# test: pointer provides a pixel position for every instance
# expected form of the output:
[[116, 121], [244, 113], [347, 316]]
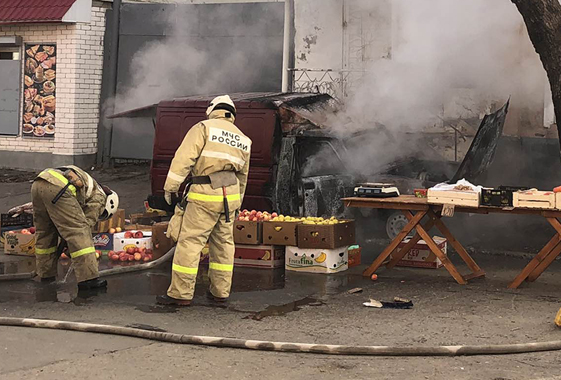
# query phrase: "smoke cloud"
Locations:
[[448, 60], [206, 49]]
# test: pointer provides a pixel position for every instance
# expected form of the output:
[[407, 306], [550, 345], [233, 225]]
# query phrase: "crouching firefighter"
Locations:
[[216, 154], [68, 202]]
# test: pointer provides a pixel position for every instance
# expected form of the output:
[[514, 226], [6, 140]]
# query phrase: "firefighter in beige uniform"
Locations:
[[68, 202], [216, 153]]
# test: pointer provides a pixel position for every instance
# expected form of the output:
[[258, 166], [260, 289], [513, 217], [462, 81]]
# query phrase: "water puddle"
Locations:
[[282, 310], [157, 309]]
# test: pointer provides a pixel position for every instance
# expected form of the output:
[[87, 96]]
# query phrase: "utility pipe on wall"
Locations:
[[287, 44]]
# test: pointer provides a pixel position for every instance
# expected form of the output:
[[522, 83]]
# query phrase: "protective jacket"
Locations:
[[212, 146], [72, 217]]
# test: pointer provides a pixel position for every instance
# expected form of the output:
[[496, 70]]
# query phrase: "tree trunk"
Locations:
[[543, 21]]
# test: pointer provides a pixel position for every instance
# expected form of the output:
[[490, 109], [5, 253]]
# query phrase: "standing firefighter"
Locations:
[[216, 153], [68, 202]]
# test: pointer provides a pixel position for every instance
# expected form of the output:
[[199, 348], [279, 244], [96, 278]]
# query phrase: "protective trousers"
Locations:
[[65, 218], [199, 226]]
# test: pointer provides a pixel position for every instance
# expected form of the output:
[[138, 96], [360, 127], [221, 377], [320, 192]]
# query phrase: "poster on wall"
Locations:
[[39, 100]]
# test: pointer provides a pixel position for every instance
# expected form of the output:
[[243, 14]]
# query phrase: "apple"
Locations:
[[130, 258], [142, 250], [267, 218], [118, 229], [112, 230], [274, 215], [12, 232], [253, 212], [32, 230], [148, 252], [146, 258], [137, 256], [114, 257], [131, 250], [25, 232], [122, 254], [122, 258], [111, 253], [138, 235], [129, 235]]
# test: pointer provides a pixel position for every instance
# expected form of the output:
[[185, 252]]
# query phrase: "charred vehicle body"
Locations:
[[298, 165]]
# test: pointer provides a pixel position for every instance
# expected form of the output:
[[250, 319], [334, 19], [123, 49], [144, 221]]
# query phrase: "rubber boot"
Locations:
[[167, 300], [212, 297], [92, 284]]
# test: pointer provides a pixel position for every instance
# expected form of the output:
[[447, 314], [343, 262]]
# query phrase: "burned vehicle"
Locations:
[[301, 166]]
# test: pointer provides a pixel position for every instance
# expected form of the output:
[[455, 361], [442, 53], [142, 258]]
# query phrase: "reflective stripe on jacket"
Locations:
[[90, 197]]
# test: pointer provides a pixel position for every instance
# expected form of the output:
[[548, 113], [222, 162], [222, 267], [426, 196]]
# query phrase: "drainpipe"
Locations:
[[105, 156], [287, 44]]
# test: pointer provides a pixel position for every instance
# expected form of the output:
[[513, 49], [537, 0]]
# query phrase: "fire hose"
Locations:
[[102, 273], [326, 349]]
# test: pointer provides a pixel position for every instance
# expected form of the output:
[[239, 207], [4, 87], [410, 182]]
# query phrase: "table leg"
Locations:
[[549, 258], [533, 264], [409, 246], [445, 260], [413, 222], [457, 246]]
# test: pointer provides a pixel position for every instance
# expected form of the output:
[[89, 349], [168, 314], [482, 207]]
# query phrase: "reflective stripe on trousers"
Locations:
[[185, 270], [45, 251], [221, 267]]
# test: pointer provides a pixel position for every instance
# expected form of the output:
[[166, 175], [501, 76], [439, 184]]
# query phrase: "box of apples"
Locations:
[[248, 226], [20, 242], [131, 239], [135, 254]]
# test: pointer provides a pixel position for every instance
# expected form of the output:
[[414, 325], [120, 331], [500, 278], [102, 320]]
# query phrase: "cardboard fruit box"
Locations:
[[354, 256], [421, 256], [160, 242], [248, 232], [117, 220], [317, 260], [19, 244], [326, 236], [259, 256], [120, 243], [103, 241], [280, 233]]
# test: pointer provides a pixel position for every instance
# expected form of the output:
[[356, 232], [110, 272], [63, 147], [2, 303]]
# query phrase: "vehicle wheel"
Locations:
[[395, 224]]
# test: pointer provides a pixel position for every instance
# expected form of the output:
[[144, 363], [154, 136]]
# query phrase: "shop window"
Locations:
[[10, 90]]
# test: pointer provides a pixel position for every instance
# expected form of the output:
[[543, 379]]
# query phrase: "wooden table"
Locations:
[[415, 209]]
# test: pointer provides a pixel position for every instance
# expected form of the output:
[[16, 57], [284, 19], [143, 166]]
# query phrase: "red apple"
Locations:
[[32, 230], [123, 258], [122, 254], [114, 257], [253, 212], [131, 250], [146, 258], [148, 251], [138, 235], [129, 235], [130, 257], [137, 256], [274, 215]]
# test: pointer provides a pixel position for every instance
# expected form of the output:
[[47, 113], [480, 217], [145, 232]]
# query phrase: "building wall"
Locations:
[[78, 81]]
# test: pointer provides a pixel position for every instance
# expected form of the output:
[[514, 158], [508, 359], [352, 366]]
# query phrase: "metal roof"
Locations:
[[30, 11]]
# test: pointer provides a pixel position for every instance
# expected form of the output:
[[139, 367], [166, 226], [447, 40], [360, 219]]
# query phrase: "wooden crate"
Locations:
[[534, 199], [117, 220], [456, 198]]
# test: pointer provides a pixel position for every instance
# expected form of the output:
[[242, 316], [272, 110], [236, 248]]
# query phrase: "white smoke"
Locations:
[[449, 60]]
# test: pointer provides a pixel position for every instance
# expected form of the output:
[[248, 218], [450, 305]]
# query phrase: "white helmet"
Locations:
[[222, 102], [111, 204]]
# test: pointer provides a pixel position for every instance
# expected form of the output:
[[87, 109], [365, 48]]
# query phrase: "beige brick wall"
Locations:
[[78, 84]]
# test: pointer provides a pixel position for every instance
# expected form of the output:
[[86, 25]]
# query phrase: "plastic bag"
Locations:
[[452, 186], [174, 227]]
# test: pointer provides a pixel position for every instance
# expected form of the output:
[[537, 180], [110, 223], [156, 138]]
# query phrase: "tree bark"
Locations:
[[543, 21]]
